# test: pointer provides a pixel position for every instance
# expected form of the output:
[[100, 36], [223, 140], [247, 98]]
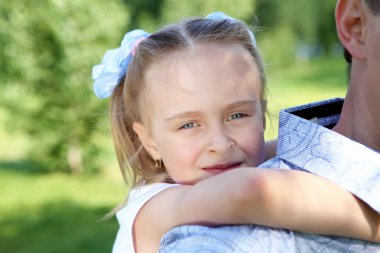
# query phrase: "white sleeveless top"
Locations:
[[127, 215]]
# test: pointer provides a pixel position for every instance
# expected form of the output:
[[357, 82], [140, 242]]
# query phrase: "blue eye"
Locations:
[[188, 125], [237, 116]]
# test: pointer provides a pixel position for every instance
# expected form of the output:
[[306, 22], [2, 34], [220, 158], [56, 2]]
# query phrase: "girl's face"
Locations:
[[206, 111]]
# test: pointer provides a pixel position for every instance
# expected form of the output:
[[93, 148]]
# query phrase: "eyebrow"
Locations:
[[182, 115], [250, 103]]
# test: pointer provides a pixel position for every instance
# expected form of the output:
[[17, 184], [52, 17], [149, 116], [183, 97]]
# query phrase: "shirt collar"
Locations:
[[313, 147]]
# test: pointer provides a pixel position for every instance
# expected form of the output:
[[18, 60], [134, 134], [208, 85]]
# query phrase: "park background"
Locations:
[[58, 172]]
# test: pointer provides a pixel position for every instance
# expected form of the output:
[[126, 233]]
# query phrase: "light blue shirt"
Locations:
[[302, 145]]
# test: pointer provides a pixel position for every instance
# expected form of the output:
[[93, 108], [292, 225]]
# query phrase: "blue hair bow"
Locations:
[[115, 64]]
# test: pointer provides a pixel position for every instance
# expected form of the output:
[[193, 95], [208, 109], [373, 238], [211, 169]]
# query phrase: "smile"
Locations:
[[222, 167]]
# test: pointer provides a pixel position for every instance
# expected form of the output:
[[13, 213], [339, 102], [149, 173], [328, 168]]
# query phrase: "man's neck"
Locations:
[[360, 117]]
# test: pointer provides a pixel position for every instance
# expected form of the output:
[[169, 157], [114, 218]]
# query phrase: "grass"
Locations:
[[56, 212], [41, 213]]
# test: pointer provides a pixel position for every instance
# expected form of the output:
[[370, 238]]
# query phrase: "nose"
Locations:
[[220, 140]]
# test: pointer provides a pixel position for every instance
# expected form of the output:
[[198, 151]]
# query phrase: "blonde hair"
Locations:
[[128, 104]]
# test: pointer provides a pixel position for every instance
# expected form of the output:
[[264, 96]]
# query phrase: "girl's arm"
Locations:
[[305, 202], [277, 198]]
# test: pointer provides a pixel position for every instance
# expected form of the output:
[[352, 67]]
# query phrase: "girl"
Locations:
[[187, 114]]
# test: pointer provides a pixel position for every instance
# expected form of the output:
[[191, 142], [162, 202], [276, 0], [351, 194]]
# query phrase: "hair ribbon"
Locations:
[[115, 63]]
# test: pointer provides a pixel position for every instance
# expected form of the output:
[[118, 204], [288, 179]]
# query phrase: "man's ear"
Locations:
[[146, 140], [351, 19]]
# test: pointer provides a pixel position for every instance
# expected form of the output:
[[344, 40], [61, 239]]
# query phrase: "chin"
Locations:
[[188, 181]]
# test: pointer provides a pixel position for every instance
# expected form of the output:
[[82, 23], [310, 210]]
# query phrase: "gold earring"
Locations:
[[158, 164]]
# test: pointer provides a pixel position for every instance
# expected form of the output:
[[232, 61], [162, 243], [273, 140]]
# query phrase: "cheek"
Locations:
[[253, 145], [180, 150], [180, 155]]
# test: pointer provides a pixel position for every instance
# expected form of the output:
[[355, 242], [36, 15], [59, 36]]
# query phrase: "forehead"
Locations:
[[197, 68]]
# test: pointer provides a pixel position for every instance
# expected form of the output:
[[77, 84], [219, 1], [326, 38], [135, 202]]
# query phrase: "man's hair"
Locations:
[[374, 6]]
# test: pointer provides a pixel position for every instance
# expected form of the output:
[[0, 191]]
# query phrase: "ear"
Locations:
[[351, 21], [146, 140]]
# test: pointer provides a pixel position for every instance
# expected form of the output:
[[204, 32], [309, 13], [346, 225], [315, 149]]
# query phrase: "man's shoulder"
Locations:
[[251, 238]]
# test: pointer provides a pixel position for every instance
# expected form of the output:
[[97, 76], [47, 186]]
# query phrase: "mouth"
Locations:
[[223, 167]]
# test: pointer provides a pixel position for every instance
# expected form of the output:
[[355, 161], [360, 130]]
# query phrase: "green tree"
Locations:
[[173, 10], [153, 14], [145, 14], [47, 50], [289, 26]]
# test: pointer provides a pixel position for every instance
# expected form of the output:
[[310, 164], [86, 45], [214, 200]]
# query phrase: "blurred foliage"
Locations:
[[48, 47], [242, 9], [296, 29]]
